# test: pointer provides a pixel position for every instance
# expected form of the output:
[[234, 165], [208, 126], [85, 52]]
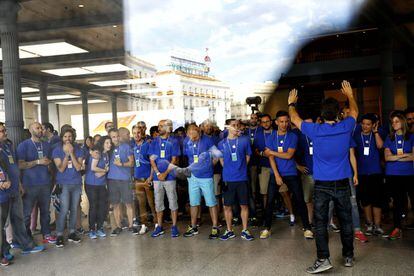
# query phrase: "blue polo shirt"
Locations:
[[29, 151], [261, 143], [330, 149], [368, 161], [203, 168], [123, 151], [234, 155], [305, 158], [9, 157], [397, 167], [90, 176], [142, 165], [286, 167], [70, 176], [170, 148]]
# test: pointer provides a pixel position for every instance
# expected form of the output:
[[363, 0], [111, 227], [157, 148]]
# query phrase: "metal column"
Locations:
[[11, 70], [44, 104], [85, 114]]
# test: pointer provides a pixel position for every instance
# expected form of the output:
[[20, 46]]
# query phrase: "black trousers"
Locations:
[[97, 196]]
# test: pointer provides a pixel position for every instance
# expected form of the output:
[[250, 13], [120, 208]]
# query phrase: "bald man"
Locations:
[[34, 158]]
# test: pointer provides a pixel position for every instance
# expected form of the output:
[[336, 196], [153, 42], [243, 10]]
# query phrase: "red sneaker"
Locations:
[[395, 234], [361, 236], [49, 239], [4, 262]]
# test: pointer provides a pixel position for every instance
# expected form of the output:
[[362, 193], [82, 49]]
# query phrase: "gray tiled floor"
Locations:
[[285, 253]]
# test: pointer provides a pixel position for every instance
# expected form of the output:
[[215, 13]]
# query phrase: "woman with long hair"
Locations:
[[399, 170], [95, 186], [68, 160]]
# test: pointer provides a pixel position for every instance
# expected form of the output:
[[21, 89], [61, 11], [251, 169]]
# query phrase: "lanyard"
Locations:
[[140, 146], [105, 158], [250, 133], [363, 140], [196, 145], [236, 145], [264, 136], [162, 143], [37, 148], [307, 141], [396, 142], [6, 149], [277, 139]]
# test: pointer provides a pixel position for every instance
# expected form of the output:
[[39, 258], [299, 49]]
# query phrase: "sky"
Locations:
[[248, 41]]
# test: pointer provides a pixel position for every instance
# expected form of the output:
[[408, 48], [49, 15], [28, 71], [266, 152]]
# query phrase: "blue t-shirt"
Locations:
[[29, 151], [368, 160], [164, 150], [142, 167], [330, 149], [286, 167], [397, 167], [303, 152], [90, 176], [199, 151], [4, 194], [70, 176], [122, 152], [9, 157], [261, 142], [234, 155]]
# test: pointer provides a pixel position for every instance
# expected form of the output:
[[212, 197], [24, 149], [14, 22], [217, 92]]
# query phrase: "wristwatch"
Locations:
[[158, 173]]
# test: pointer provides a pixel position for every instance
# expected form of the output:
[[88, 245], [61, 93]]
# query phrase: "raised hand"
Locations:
[[346, 89], [293, 96]]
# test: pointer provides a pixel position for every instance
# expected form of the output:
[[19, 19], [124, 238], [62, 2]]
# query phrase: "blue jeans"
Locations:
[[69, 201], [355, 212], [338, 192], [41, 195], [17, 222]]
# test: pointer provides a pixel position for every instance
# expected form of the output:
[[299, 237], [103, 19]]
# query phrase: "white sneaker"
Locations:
[[143, 230], [308, 234], [265, 234]]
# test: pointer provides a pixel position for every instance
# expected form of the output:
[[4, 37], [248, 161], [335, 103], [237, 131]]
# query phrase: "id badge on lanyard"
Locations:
[[195, 156], [400, 151], [234, 156], [366, 151], [39, 154], [137, 163], [70, 164], [280, 149], [311, 150], [11, 160], [162, 154]]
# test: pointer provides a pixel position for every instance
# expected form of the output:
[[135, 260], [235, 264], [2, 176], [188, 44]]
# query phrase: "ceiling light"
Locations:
[[143, 90], [52, 49], [68, 71], [107, 68], [51, 97], [81, 6], [96, 69], [108, 83], [80, 102], [24, 90], [115, 26]]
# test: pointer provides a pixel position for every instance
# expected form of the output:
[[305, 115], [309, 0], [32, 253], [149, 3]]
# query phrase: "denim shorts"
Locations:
[[201, 186]]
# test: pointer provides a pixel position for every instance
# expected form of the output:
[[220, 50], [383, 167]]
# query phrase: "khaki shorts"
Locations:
[[264, 179], [308, 184]]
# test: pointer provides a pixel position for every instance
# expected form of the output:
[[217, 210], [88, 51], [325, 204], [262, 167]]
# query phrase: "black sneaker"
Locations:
[[215, 233], [191, 231], [116, 232], [253, 222], [349, 262], [319, 266], [134, 230], [73, 237], [60, 242]]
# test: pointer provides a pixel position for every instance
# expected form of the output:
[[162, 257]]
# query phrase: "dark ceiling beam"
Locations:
[[73, 58], [356, 64], [93, 21]]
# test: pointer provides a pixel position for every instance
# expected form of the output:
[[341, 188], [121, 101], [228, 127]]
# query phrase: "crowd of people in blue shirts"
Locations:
[[318, 168]]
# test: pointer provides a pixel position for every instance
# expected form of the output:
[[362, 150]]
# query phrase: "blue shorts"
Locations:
[[198, 186], [236, 193]]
